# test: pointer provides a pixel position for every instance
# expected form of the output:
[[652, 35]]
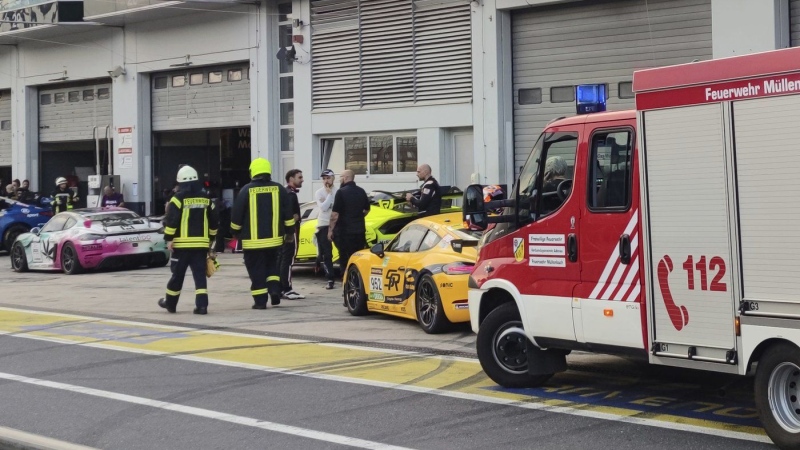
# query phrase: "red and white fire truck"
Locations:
[[671, 232]]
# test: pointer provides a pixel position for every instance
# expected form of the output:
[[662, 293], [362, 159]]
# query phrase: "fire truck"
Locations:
[[669, 233]]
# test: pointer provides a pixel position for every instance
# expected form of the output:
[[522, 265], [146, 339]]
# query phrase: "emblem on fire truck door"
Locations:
[[519, 250], [678, 314]]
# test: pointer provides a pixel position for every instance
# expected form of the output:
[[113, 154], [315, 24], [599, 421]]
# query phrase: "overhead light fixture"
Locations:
[[116, 72], [61, 78], [186, 63]]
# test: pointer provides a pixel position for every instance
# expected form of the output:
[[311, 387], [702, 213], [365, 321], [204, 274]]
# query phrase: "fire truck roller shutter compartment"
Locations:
[[794, 20], [5, 130], [73, 118], [555, 48], [201, 117], [766, 136], [690, 237]]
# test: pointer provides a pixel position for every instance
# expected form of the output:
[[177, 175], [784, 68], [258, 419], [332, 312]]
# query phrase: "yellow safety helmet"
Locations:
[[260, 166]]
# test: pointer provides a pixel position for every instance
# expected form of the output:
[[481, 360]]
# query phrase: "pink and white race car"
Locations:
[[91, 238]]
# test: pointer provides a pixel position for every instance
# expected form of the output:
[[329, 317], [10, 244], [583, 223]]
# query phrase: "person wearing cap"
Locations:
[[262, 220], [324, 198], [63, 197], [189, 228]]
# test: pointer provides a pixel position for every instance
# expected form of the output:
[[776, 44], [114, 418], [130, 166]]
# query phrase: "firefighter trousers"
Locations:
[[186, 259], [263, 268]]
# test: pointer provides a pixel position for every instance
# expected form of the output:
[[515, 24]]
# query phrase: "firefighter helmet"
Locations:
[[260, 166], [186, 174], [61, 180]]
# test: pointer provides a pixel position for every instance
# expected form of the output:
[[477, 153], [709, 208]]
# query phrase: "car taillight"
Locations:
[[458, 268], [92, 237]]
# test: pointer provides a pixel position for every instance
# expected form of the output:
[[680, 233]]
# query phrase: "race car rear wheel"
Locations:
[[430, 312], [354, 295], [69, 260], [11, 235], [19, 262]]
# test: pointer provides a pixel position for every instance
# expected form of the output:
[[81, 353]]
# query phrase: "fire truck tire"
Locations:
[[502, 349], [777, 394], [354, 295]]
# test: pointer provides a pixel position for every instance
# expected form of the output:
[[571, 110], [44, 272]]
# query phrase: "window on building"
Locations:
[[235, 75], [214, 77], [406, 153], [285, 41], [381, 154], [611, 174], [60, 97], [5, 125], [333, 155], [160, 83], [178, 81], [530, 96], [287, 88], [286, 83], [287, 113], [195, 79], [287, 140], [88, 95], [46, 99], [355, 158], [625, 89], [562, 94], [103, 94], [74, 96], [284, 12]]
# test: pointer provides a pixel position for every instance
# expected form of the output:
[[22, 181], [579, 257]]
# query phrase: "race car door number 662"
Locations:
[[375, 283]]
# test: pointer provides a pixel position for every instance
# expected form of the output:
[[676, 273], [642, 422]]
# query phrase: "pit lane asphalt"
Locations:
[[131, 295]]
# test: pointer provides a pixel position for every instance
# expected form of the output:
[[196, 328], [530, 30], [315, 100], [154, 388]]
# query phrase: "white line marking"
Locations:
[[207, 413], [577, 411]]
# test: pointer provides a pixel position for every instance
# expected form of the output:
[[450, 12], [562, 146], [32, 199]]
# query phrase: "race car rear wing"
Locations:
[[388, 200]]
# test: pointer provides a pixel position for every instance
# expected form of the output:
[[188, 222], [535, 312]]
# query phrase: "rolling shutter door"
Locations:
[[794, 20], [217, 97], [5, 128], [390, 52], [70, 113], [597, 42]]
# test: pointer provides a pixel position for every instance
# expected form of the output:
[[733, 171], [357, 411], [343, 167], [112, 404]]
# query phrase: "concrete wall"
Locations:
[[744, 26]]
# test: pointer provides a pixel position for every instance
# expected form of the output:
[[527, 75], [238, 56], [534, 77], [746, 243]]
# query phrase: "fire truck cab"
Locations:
[[669, 233]]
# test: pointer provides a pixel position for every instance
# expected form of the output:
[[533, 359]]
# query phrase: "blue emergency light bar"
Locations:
[[590, 98]]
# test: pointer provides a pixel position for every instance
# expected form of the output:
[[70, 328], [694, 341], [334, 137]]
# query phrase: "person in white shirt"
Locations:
[[324, 198]]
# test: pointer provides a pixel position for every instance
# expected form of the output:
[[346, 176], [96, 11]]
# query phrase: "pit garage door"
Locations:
[[201, 98], [556, 48], [5, 128], [71, 112], [794, 20]]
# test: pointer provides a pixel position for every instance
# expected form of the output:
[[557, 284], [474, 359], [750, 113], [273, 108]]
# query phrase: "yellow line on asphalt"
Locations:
[[457, 375]]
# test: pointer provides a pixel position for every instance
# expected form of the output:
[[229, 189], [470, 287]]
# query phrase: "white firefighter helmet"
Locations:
[[61, 180], [187, 173]]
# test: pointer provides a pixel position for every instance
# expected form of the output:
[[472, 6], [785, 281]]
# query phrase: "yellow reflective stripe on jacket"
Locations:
[[235, 226], [170, 230], [253, 196], [212, 232], [290, 222], [258, 292], [275, 211], [175, 202], [185, 222], [262, 243], [273, 278]]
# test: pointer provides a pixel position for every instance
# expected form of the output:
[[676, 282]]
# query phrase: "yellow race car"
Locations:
[[388, 214], [421, 274]]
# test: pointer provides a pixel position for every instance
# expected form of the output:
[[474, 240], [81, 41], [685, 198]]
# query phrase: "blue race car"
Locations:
[[17, 218]]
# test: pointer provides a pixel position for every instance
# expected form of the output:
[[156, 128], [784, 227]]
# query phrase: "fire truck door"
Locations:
[[607, 303], [688, 168]]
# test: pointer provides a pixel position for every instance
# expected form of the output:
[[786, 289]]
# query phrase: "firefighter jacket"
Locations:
[[262, 215], [63, 200], [191, 221]]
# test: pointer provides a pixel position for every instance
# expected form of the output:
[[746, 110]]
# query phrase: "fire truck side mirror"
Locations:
[[474, 212]]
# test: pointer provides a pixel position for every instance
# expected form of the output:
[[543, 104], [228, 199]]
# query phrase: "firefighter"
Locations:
[[189, 228], [64, 198], [262, 220]]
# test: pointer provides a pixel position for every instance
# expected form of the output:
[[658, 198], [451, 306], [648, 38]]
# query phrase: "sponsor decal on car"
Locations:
[[136, 238]]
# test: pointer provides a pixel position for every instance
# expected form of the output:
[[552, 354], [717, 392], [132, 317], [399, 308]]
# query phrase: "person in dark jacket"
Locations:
[[347, 227], [262, 220], [294, 181], [430, 198], [189, 228]]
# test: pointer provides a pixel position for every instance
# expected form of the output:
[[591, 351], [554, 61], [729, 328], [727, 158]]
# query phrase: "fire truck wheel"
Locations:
[[502, 349], [354, 295], [777, 394]]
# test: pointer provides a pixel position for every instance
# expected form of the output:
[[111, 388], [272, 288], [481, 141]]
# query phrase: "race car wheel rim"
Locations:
[[510, 350], [784, 396], [68, 259], [17, 256], [353, 289], [427, 303]]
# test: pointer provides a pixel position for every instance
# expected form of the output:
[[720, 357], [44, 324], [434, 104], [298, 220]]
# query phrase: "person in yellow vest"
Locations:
[[64, 198], [262, 220], [189, 229]]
